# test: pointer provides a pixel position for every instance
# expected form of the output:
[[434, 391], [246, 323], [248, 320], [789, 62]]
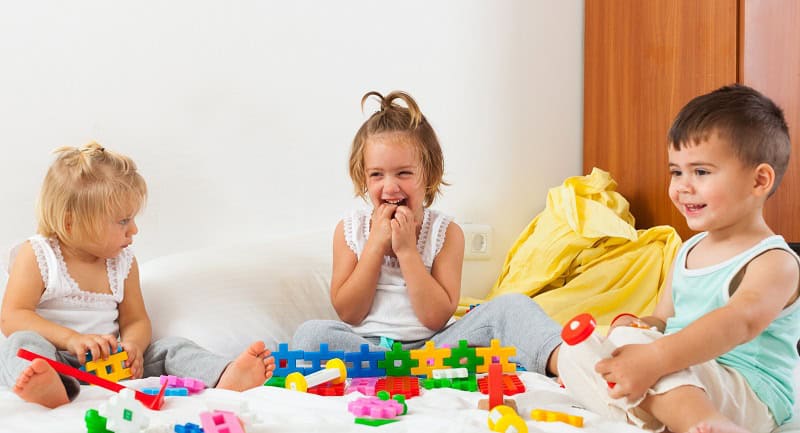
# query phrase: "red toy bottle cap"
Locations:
[[578, 329]]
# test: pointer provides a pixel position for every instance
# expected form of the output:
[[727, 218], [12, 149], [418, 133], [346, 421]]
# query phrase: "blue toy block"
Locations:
[[286, 361], [365, 363], [169, 392], [188, 428], [316, 358]]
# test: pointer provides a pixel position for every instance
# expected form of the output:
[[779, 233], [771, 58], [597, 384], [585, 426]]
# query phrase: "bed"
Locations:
[[228, 296]]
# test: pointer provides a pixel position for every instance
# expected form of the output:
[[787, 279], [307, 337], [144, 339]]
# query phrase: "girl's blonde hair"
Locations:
[[408, 121], [84, 189]]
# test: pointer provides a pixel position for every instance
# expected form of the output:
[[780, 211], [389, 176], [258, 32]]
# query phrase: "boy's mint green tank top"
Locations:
[[767, 361]]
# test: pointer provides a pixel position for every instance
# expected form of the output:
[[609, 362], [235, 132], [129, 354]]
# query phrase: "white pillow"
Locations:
[[225, 298]]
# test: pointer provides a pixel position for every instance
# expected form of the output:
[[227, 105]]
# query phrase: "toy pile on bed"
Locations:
[[386, 379]]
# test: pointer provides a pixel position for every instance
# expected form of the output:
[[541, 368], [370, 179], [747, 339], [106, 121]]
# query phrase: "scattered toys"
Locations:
[[123, 413], [114, 368], [192, 385], [335, 371]]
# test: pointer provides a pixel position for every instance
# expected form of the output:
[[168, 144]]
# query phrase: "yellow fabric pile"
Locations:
[[583, 254]]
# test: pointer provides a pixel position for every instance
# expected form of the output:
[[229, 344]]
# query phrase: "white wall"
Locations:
[[240, 113]]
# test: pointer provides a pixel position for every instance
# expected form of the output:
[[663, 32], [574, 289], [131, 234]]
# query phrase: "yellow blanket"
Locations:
[[583, 254]]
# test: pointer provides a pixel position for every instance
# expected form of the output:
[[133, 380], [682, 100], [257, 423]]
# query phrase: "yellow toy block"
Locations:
[[494, 351], [111, 368], [549, 415], [429, 359]]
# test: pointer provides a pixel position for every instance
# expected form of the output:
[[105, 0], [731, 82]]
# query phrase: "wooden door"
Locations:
[[643, 61]]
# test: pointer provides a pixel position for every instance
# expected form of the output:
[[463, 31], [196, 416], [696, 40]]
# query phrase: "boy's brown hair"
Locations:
[[408, 121], [753, 125], [84, 188]]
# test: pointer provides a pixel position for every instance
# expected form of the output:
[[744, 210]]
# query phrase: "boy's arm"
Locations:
[[135, 330], [769, 282], [434, 296], [23, 292], [353, 281]]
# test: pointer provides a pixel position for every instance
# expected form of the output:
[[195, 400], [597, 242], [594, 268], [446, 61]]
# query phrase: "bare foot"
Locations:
[[39, 383], [252, 368], [718, 426]]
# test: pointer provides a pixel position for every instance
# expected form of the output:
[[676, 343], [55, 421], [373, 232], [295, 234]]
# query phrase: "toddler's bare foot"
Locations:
[[718, 426], [39, 383], [252, 368]]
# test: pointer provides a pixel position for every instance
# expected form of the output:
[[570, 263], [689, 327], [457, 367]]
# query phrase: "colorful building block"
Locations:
[[112, 369], [123, 413], [511, 384], [191, 384], [316, 358], [504, 419], [463, 356], [188, 428], [286, 361], [220, 422], [450, 373], [328, 389], [552, 416], [240, 408], [169, 392], [429, 358], [357, 361], [374, 422], [335, 371], [462, 384], [364, 385], [496, 354], [374, 407], [398, 362], [407, 386], [95, 423]]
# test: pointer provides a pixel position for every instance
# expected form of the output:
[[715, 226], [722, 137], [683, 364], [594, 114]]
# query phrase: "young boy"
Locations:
[[729, 316]]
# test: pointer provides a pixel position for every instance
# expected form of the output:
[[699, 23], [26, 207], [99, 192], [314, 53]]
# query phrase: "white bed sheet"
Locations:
[[280, 410]]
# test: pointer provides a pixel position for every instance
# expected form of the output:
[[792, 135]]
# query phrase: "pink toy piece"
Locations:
[[220, 422], [364, 385], [373, 407], [193, 385], [150, 401]]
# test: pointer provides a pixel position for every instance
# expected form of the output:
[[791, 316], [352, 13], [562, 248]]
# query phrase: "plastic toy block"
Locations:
[[276, 381], [112, 369], [495, 385], [169, 392], [511, 384], [95, 423], [316, 358], [220, 422], [357, 360], [335, 371], [123, 413], [398, 362], [327, 389], [374, 422], [400, 398], [373, 407], [428, 359], [463, 356], [462, 384], [496, 354], [551, 416], [364, 385], [191, 384], [286, 360], [450, 373], [150, 401], [407, 386], [239, 408], [504, 419], [188, 428]]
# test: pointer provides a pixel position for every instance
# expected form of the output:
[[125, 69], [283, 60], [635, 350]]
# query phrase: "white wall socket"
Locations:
[[477, 241]]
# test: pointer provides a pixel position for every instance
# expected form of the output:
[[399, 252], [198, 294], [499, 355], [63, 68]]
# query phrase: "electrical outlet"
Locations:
[[477, 241]]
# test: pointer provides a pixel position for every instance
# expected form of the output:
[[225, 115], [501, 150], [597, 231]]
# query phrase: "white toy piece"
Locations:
[[580, 330], [450, 373], [335, 371], [124, 413]]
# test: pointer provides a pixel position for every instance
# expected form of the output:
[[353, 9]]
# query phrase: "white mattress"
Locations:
[[280, 410]]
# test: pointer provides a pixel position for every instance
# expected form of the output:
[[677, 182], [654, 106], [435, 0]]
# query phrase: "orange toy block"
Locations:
[[496, 354], [110, 369], [430, 358], [549, 415]]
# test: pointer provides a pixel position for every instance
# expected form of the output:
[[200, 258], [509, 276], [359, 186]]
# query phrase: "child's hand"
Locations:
[[404, 230], [381, 226], [634, 368], [100, 346], [135, 359]]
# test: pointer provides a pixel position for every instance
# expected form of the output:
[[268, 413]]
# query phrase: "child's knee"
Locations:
[[21, 339]]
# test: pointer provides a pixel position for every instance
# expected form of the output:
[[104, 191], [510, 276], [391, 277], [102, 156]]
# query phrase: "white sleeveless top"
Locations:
[[64, 303], [391, 314]]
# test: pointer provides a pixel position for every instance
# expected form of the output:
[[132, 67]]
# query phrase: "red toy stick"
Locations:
[[150, 401]]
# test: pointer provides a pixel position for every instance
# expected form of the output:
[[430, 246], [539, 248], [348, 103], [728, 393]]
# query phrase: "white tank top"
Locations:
[[392, 315]]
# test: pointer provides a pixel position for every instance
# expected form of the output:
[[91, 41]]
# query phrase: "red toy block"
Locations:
[[495, 386], [327, 389], [408, 386], [511, 384]]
